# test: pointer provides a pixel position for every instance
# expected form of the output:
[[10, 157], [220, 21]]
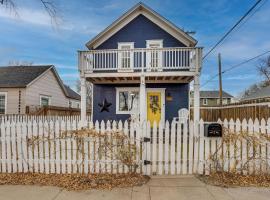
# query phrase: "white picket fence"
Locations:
[[173, 148]]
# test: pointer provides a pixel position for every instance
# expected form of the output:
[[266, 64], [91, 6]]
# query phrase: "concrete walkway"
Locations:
[[163, 188]]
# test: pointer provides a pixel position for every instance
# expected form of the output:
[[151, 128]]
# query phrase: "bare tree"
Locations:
[[89, 92], [48, 5], [264, 69]]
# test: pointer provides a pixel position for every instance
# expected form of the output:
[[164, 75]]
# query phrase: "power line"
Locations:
[[231, 29], [235, 66]]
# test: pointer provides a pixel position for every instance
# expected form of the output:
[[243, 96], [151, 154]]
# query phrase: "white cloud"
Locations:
[[27, 15]]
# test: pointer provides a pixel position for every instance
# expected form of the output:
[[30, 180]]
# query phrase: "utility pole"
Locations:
[[220, 85], [220, 79]]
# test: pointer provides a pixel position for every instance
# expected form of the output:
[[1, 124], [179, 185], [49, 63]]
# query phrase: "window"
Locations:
[[44, 100], [3, 102], [205, 102], [154, 57], [125, 56], [127, 100]]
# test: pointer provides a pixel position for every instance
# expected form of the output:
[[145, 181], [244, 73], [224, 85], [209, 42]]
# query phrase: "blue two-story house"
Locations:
[[140, 67]]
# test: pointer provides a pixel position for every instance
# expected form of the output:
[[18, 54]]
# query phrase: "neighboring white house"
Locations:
[[33, 86]]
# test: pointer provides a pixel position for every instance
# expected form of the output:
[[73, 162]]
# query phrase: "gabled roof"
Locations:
[[132, 13], [23, 76], [259, 94], [72, 94], [20, 76], [214, 94]]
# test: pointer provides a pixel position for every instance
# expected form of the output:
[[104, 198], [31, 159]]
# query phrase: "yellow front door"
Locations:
[[154, 107]]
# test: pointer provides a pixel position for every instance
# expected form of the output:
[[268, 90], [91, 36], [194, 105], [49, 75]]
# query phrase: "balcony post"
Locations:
[[83, 102], [142, 100]]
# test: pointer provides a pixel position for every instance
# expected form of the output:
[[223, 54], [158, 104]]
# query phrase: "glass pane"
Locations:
[[2, 104], [44, 101], [123, 101], [134, 101]]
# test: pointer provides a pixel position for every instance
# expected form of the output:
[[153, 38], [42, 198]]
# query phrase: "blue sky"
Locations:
[[31, 37]]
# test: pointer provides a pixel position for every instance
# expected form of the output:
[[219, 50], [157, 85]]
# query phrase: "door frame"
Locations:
[[162, 91]]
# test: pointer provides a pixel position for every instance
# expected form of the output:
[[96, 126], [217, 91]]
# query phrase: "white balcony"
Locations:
[[132, 62]]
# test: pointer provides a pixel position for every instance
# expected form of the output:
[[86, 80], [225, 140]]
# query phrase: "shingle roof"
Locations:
[[259, 94], [72, 94], [20, 76], [214, 94]]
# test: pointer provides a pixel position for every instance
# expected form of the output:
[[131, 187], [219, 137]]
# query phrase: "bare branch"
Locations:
[[52, 11]]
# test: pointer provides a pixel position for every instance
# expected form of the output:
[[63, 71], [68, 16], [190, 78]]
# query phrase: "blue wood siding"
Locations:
[[178, 92], [139, 30]]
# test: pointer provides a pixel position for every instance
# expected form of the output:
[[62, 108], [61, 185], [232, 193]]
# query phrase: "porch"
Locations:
[[141, 66]]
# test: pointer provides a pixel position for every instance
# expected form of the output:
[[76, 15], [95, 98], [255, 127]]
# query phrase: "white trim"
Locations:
[[163, 102], [149, 54], [6, 96], [160, 41], [131, 58], [204, 101], [44, 96], [151, 15], [124, 89]]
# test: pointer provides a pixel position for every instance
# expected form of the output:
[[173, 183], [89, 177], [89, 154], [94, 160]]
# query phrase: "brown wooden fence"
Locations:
[[249, 109], [53, 110]]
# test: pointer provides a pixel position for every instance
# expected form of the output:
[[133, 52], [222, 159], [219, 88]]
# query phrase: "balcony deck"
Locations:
[[161, 64]]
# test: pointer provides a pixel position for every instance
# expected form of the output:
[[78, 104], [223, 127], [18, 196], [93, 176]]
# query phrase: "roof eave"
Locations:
[[140, 6]]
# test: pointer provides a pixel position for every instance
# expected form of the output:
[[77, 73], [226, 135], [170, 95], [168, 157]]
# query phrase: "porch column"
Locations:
[[196, 108], [83, 102], [142, 100]]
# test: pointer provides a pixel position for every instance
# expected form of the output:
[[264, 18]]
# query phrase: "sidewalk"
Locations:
[[159, 188]]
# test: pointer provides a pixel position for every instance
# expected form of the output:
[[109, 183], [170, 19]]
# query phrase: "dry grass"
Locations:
[[226, 179], [74, 181]]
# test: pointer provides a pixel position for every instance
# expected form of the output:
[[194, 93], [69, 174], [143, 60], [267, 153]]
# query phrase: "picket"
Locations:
[[154, 148], [160, 148], [47, 146], [166, 148], [172, 148], [178, 148], [185, 148]]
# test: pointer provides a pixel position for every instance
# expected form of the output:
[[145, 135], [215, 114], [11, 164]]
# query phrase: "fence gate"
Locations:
[[170, 149]]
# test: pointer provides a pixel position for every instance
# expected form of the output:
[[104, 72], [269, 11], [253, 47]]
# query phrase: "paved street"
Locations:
[[159, 188]]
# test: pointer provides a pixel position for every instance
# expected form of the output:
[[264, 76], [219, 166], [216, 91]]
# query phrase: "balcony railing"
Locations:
[[159, 59]]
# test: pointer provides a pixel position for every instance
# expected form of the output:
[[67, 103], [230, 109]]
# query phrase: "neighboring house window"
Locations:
[[78, 105], [3, 102], [44, 100], [205, 102], [127, 100], [225, 101], [125, 56]]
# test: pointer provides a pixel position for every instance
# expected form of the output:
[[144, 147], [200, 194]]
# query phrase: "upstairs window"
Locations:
[[3, 103], [125, 56], [44, 100], [127, 100]]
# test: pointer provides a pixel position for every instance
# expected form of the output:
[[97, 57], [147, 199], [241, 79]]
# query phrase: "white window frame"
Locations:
[[44, 96], [205, 101], [120, 45], [6, 96], [148, 54], [125, 89]]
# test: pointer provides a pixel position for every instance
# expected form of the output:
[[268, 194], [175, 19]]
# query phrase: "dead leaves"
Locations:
[[74, 181], [227, 179]]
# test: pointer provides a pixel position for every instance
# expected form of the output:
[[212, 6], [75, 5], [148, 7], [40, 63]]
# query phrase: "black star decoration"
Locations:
[[104, 106]]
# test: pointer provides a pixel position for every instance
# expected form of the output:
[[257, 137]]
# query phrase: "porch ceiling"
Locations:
[[136, 79]]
